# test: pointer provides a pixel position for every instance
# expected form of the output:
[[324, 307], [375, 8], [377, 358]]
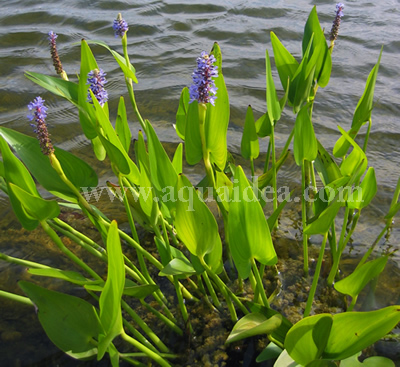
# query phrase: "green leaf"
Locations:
[[70, 322], [362, 112], [319, 53], [275, 215], [356, 161], [362, 195], [182, 112], [354, 331], [193, 147], [86, 111], [147, 199], [321, 363], [15, 172], [116, 156], [110, 298], [356, 281], [130, 288], [326, 167], [178, 266], [140, 291], [304, 144], [77, 171], [57, 86], [322, 224], [165, 253], [271, 351], [223, 187], [122, 127], [253, 324], [142, 157], [264, 126], [280, 333], [249, 235], [266, 178], [307, 339], [285, 360], [368, 362], [34, 205], [365, 104], [68, 275], [162, 173], [113, 146], [177, 159], [217, 117], [129, 71], [195, 224], [273, 106], [302, 81], [284, 61], [250, 148]]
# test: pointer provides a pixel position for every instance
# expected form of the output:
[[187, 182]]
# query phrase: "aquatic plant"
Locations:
[[200, 264]]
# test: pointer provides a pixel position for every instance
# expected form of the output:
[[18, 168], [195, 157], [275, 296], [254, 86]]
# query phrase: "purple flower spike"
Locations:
[[203, 88], [336, 23], [39, 114], [54, 54], [120, 26], [96, 79]]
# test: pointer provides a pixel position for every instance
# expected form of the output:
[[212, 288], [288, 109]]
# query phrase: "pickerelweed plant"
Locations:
[[201, 264]]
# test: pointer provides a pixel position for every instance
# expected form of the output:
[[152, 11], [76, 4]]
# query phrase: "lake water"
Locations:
[[165, 37]]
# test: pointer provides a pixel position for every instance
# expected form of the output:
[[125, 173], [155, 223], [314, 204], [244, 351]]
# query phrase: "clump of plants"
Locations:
[[198, 261]]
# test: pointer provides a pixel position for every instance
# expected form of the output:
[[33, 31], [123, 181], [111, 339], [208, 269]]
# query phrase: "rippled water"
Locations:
[[164, 39]]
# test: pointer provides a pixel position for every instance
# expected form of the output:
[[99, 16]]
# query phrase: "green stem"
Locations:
[[136, 334], [67, 228], [268, 156], [304, 217], [130, 241], [287, 144], [154, 356], [136, 318], [332, 241], [129, 85], [16, 297], [25, 263], [211, 289], [223, 289], [260, 284], [182, 305], [352, 304], [274, 184], [53, 235], [316, 277], [252, 167], [80, 242], [341, 247], [367, 135], [163, 318], [368, 253]]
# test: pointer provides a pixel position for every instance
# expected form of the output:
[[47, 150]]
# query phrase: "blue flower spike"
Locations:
[[336, 23], [120, 26], [38, 112], [52, 36], [96, 80], [203, 88]]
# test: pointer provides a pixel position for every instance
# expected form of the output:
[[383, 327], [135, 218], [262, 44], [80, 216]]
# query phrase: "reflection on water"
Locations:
[[165, 37]]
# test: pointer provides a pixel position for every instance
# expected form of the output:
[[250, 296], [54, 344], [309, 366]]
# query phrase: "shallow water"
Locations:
[[164, 39]]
